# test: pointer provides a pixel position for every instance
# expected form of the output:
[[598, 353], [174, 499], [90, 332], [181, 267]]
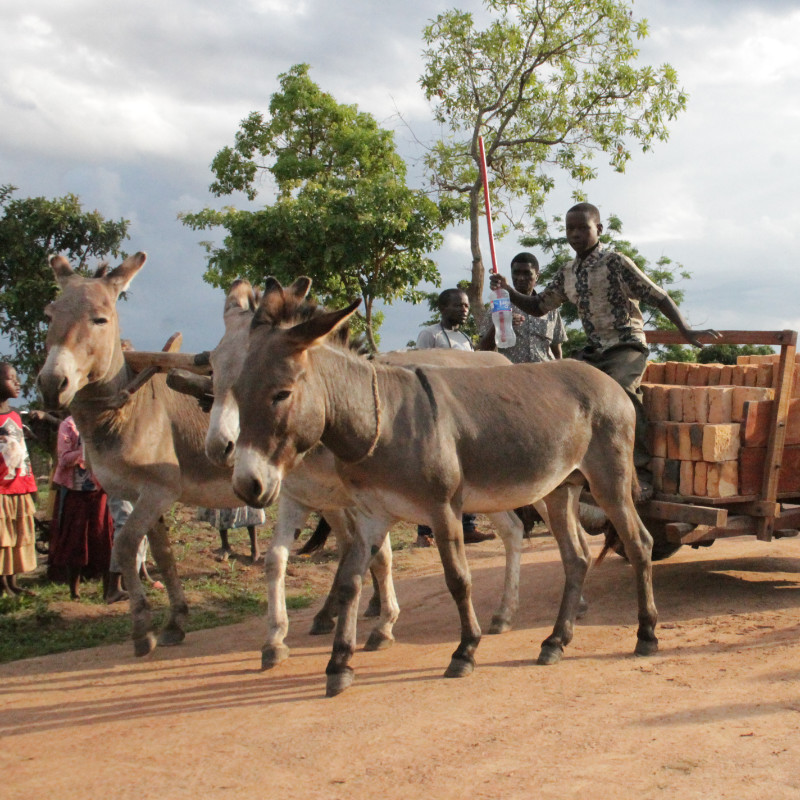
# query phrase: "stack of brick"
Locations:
[[698, 415]]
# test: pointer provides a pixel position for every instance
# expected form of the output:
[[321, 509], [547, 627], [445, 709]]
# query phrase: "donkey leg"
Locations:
[[373, 608], [449, 536], [511, 531], [381, 568], [343, 529], [146, 511], [291, 515], [611, 489], [562, 505], [174, 631]]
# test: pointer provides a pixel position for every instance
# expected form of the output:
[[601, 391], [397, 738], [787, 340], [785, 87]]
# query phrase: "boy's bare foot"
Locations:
[[14, 588], [223, 554]]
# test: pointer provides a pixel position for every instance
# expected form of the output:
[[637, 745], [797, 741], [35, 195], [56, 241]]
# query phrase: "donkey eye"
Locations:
[[99, 321], [279, 397]]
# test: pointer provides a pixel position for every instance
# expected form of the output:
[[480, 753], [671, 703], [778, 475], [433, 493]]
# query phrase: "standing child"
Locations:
[[17, 491]]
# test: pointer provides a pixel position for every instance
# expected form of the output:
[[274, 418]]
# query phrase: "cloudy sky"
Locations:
[[125, 104]]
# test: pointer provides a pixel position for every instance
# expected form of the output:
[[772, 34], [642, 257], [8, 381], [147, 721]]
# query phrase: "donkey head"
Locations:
[[282, 408], [83, 335]]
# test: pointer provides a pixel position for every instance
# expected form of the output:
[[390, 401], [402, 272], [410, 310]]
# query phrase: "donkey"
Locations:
[[427, 444], [321, 488]]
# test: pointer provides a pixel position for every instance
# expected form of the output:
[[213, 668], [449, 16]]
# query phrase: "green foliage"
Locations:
[[31, 230], [664, 273], [342, 215], [548, 85]]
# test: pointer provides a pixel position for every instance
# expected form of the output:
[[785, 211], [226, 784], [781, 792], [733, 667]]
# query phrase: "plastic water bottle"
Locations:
[[500, 307]]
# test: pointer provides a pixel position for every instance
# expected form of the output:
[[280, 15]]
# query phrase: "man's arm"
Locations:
[[555, 348], [486, 342], [668, 308]]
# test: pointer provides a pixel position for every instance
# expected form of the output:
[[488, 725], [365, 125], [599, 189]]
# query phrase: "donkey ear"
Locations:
[[61, 268], [240, 296], [308, 333], [120, 277], [299, 289], [273, 302]]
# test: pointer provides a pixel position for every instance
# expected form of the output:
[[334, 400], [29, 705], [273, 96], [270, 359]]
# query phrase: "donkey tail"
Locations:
[[317, 539]]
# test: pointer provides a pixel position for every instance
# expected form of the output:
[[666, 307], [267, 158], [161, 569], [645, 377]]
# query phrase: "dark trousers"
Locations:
[[626, 363]]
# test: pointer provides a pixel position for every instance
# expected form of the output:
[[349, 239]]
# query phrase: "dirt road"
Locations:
[[715, 715]]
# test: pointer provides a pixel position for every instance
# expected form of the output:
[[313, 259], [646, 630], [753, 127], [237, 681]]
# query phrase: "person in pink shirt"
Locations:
[[82, 530]]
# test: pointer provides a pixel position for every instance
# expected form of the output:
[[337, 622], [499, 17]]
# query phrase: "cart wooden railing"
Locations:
[[694, 520]]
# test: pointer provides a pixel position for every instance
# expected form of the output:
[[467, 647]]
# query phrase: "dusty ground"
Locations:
[[715, 715]]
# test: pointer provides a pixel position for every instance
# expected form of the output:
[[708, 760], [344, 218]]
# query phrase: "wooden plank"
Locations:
[[775, 338], [139, 360], [777, 434], [752, 461], [758, 417], [685, 512]]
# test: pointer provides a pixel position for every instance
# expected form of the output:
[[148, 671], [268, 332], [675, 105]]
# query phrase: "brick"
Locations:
[[726, 375], [686, 481], [757, 418], [657, 471], [751, 469], [676, 403], [744, 394], [700, 477], [720, 404], [658, 439], [714, 373], [737, 375], [695, 404], [672, 476], [750, 374], [696, 433], [698, 375], [795, 381], [742, 360], [765, 374], [673, 440], [654, 372], [681, 372], [722, 479], [669, 372], [656, 406], [720, 442]]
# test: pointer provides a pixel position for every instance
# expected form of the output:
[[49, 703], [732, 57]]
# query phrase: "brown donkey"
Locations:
[[424, 445], [315, 484], [150, 450]]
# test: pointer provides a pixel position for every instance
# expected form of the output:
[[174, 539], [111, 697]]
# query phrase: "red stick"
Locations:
[[488, 204]]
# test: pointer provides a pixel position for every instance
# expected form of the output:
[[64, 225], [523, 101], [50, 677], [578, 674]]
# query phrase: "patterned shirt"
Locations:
[[534, 337], [606, 287], [16, 476]]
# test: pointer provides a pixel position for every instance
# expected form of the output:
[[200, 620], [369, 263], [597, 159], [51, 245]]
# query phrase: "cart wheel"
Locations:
[[662, 547]]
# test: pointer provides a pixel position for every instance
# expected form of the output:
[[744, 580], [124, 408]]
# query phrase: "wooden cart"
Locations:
[[675, 520]]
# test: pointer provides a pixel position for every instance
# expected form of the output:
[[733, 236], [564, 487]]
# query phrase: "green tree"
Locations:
[[32, 229], [548, 84], [342, 214], [664, 272]]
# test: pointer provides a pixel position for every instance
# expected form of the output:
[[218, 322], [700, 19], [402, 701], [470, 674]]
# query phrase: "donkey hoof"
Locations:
[[373, 609], [272, 656], [339, 681], [378, 641], [499, 625], [322, 625], [144, 645], [171, 636], [646, 647], [459, 668], [550, 654]]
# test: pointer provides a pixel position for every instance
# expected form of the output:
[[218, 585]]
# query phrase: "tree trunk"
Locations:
[[368, 327], [475, 291]]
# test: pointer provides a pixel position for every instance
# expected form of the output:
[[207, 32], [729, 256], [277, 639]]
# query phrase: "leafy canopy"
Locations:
[[342, 213], [32, 229], [548, 84]]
